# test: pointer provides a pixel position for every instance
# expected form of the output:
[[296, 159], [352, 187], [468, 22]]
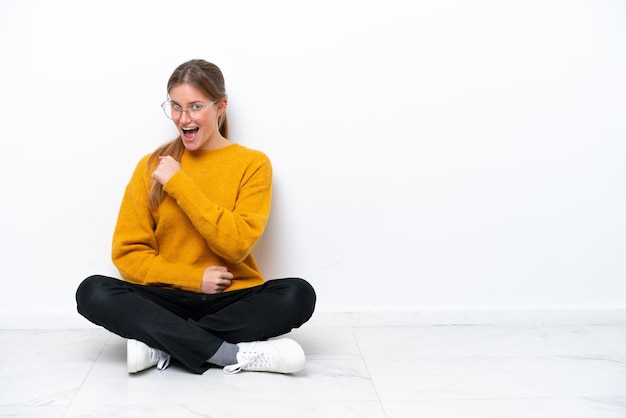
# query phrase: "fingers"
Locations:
[[166, 168], [222, 271], [216, 279], [221, 285], [215, 286], [224, 284], [168, 161]]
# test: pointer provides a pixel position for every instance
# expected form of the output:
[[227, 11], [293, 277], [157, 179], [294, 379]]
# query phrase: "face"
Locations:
[[198, 128]]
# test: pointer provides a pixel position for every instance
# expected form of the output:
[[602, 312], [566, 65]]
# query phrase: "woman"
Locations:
[[189, 219]]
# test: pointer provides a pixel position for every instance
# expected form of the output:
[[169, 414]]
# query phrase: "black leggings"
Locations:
[[191, 326]]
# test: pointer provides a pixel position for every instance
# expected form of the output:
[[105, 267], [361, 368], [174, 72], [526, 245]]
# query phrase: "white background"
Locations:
[[428, 155]]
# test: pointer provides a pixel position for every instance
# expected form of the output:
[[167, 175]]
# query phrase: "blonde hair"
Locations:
[[206, 77]]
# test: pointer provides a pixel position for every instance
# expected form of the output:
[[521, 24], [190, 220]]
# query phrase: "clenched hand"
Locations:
[[215, 279]]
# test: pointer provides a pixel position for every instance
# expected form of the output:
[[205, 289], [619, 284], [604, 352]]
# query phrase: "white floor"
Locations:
[[365, 372]]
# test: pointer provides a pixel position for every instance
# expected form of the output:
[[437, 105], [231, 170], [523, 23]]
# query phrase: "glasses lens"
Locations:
[[167, 109]]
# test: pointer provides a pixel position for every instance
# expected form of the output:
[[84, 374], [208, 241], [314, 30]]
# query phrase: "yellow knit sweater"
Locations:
[[215, 211]]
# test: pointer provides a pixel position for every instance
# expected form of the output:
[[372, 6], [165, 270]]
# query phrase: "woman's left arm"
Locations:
[[230, 233]]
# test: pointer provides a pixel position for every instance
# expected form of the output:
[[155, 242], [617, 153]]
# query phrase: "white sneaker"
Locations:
[[278, 356], [141, 357]]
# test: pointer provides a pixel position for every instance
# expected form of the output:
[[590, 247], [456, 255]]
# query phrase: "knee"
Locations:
[[302, 298], [91, 293]]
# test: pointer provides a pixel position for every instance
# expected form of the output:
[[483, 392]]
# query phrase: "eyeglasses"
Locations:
[[174, 110]]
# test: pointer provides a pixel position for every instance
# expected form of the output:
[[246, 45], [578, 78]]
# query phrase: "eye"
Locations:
[[176, 107], [196, 107]]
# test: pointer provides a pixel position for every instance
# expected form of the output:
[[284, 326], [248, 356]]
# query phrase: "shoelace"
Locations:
[[250, 359], [162, 359]]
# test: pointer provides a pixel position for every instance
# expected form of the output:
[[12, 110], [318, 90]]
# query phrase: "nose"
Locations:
[[184, 116]]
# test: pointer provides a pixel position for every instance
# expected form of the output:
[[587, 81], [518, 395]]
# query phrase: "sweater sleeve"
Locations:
[[230, 232], [135, 249]]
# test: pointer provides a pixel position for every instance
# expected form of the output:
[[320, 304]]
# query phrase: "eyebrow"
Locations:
[[190, 103], [193, 101]]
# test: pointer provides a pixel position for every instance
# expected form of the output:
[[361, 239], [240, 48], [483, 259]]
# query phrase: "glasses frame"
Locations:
[[181, 110]]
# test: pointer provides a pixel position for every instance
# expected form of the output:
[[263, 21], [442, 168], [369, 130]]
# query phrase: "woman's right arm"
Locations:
[[135, 249]]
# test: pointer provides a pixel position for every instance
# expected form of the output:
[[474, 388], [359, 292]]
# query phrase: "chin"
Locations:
[[191, 146]]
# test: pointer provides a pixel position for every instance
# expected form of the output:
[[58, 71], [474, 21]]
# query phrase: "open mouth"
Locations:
[[190, 133]]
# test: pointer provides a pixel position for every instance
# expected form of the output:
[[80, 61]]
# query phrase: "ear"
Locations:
[[222, 105]]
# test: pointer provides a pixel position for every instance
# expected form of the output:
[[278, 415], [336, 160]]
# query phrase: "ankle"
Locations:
[[225, 355]]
